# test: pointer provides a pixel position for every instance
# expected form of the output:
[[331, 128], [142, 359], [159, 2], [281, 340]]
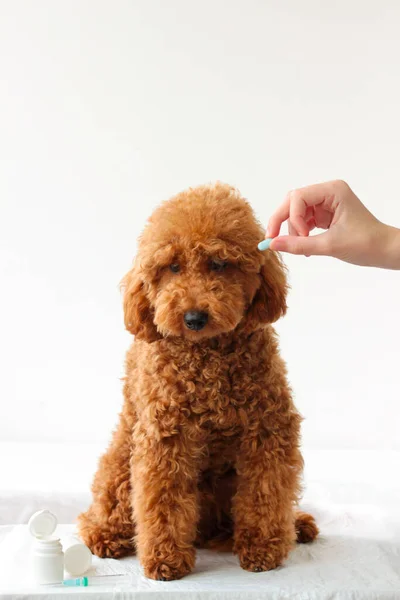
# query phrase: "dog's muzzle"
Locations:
[[195, 319]]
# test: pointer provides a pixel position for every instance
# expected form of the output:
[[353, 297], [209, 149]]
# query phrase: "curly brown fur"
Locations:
[[207, 448]]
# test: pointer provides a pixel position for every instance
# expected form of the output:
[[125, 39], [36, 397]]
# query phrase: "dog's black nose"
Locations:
[[195, 319]]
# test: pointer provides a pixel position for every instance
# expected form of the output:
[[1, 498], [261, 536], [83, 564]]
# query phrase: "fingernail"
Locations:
[[265, 244]]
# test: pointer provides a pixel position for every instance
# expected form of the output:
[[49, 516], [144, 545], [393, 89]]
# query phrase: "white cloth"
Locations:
[[354, 495], [356, 557]]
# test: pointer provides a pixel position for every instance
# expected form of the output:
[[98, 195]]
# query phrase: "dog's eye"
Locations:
[[218, 265], [175, 268]]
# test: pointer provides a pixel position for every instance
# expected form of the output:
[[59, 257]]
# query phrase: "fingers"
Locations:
[[294, 209], [319, 193], [307, 246], [323, 217], [311, 224], [291, 229], [298, 203], [298, 214]]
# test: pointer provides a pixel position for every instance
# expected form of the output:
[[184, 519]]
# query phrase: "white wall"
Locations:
[[106, 108]]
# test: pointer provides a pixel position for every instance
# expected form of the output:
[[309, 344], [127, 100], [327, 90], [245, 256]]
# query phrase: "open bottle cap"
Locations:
[[42, 524]]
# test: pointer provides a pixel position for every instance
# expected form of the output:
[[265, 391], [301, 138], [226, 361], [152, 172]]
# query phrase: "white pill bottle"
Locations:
[[48, 556]]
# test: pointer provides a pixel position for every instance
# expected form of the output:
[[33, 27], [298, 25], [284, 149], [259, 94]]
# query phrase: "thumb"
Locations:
[[307, 246]]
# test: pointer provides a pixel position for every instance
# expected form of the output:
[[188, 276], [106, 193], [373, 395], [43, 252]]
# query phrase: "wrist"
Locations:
[[390, 256]]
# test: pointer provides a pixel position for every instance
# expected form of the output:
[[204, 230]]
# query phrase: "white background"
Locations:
[[107, 108]]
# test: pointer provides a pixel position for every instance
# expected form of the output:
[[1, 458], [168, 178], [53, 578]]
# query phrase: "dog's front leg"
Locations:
[[269, 467], [165, 474]]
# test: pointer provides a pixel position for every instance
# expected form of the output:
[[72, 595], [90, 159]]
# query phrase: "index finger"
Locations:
[[279, 216], [315, 194]]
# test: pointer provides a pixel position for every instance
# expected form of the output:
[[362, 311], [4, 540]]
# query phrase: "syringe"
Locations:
[[99, 579]]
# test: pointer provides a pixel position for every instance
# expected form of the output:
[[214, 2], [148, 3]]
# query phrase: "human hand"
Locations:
[[353, 234]]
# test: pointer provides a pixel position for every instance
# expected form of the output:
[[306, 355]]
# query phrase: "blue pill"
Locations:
[[265, 244]]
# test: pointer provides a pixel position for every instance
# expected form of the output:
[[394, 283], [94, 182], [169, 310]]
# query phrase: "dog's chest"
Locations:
[[218, 389]]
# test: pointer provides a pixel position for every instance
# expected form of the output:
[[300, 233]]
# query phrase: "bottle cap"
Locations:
[[77, 558], [42, 524]]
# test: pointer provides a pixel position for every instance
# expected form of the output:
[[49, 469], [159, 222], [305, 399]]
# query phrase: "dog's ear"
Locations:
[[138, 314], [269, 302]]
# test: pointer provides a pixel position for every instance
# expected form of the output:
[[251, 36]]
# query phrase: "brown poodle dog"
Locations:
[[206, 452]]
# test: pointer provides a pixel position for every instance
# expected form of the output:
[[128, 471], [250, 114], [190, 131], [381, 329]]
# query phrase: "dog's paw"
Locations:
[[106, 544], [112, 548], [258, 557], [104, 541], [168, 568]]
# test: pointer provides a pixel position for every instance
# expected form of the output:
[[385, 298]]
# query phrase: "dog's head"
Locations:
[[198, 272]]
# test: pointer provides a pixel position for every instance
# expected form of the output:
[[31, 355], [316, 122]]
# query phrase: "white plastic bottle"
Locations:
[[48, 561], [48, 556]]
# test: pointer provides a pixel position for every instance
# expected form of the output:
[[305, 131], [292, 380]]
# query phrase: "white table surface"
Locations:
[[356, 557]]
